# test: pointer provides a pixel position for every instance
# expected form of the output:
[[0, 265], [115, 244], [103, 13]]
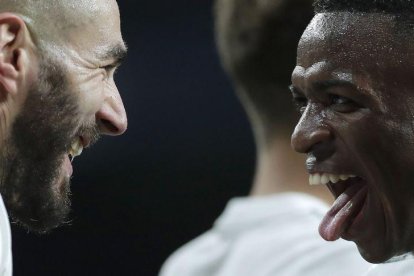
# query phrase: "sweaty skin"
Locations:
[[354, 83]]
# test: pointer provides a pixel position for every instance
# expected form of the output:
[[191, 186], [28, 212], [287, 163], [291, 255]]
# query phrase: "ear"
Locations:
[[16, 54]]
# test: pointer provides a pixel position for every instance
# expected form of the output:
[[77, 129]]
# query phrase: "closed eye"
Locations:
[[109, 67], [110, 70]]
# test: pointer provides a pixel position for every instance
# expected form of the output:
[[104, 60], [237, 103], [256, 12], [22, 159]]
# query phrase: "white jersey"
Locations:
[[5, 242], [404, 267], [267, 236]]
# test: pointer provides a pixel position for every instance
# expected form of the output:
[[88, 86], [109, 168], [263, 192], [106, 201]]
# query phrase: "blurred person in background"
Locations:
[[273, 231], [57, 96]]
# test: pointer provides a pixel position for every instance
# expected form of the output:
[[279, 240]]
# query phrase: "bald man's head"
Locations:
[[57, 96], [52, 20]]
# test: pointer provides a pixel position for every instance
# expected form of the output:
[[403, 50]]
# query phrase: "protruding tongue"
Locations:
[[342, 212]]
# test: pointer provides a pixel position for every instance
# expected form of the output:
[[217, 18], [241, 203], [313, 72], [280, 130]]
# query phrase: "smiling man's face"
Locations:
[[72, 101], [354, 85]]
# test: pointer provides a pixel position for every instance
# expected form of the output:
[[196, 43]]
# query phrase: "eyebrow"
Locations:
[[117, 53], [326, 84]]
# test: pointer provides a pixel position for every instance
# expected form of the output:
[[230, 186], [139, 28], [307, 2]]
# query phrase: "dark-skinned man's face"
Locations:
[[354, 84]]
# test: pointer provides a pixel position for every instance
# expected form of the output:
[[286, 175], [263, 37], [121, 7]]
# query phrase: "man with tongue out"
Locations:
[[273, 231], [57, 96], [354, 86]]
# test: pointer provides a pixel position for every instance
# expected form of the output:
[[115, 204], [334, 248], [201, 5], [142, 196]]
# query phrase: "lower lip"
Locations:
[[68, 166]]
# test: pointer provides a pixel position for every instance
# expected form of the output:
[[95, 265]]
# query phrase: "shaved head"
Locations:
[[57, 65], [54, 20]]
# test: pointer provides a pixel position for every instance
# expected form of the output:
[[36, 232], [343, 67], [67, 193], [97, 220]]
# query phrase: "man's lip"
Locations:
[[337, 168], [332, 166], [336, 172]]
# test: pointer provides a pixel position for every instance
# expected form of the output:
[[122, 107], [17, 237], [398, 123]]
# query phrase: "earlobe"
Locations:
[[15, 42]]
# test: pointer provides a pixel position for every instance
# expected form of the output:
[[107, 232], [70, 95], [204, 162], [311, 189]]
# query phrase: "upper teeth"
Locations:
[[324, 178], [76, 148]]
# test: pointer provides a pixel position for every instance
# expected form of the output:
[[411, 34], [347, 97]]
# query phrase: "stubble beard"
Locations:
[[35, 191]]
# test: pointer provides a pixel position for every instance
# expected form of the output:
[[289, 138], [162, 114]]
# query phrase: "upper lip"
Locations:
[[332, 172], [327, 170], [330, 166]]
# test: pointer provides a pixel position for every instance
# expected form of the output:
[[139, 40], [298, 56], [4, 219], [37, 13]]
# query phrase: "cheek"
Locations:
[[385, 152], [375, 143], [90, 94]]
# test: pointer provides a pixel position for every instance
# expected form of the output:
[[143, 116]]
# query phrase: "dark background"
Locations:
[[188, 149]]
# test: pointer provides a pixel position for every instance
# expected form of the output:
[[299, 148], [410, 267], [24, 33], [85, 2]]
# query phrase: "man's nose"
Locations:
[[111, 117], [310, 133]]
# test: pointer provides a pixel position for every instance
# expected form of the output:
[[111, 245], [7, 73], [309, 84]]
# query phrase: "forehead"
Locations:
[[369, 47], [354, 39], [97, 30]]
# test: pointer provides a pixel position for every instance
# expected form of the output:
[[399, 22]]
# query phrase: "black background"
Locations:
[[188, 149]]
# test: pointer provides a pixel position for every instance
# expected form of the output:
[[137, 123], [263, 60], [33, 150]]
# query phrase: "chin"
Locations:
[[41, 206], [377, 253]]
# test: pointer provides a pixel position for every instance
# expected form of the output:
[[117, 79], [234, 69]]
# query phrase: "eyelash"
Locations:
[[338, 103], [110, 69]]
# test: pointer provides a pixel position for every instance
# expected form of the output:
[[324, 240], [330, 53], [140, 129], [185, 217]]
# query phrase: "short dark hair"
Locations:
[[401, 10], [257, 41], [372, 6]]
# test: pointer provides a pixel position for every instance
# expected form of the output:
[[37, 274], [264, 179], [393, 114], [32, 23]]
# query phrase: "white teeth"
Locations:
[[343, 177], [325, 178], [316, 179], [334, 178], [76, 148]]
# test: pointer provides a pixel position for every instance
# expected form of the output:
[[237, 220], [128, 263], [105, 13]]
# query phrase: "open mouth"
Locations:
[[350, 192], [76, 148]]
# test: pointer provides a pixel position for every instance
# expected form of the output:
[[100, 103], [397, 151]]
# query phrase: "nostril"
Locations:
[[109, 126]]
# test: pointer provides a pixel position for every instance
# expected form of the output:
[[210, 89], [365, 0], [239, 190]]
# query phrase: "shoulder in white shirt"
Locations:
[[5, 242], [267, 236]]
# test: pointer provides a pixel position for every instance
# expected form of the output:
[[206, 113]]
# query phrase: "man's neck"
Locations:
[[279, 169]]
